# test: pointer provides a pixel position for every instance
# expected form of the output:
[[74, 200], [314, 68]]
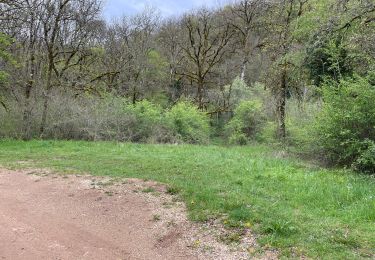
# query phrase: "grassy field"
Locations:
[[295, 208]]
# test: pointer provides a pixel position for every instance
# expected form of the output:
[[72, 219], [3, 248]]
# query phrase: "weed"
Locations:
[[156, 217], [148, 190], [172, 190], [109, 193], [231, 237]]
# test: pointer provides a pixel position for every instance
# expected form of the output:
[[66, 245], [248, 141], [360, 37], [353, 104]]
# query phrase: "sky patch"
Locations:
[[167, 8]]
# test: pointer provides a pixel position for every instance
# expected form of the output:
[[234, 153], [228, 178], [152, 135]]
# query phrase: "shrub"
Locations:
[[187, 123], [366, 160], [10, 121], [345, 128], [88, 117], [147, 119], [108, 118], [246, 123], [300, 117], [239, 91], [269, 133]]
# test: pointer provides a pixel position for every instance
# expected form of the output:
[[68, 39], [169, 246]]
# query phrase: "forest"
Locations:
[[258, 115], [296, 73]]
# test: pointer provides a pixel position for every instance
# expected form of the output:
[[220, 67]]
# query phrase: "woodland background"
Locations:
[[296, 73]]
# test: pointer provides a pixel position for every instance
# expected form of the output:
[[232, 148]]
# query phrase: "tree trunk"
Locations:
[[134, 96], [200, 95], [281, 103], [27, 109], [45, 112], [27, 112], [26, 119], [243, 68], [46, 99]]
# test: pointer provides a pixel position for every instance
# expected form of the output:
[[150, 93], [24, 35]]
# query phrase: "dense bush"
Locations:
[[87, 118], [147, 119], [109, 118], [366, 159], [188, 123], [345, 128], [246, 123]]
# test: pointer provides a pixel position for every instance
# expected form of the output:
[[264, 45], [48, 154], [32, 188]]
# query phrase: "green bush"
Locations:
[[366, 160], [187, 123], [268, 134], [147, 120], [247, 122], [345, 128]]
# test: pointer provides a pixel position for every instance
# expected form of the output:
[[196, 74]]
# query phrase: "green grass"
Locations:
[[297, 209]]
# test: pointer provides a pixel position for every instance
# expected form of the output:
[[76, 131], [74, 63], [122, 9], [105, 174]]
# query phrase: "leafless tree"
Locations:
[[248, 19], [204, 43], [128, 44], [168, 39], [65, 26], [21, 19]]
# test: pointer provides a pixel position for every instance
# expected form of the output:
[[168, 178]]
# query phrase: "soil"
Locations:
[[44, 215]]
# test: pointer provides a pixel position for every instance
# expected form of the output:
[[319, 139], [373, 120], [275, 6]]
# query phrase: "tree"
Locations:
[[341, 43], [21, 19], [282, 45], [247, 19], [128, 52], [5, 56], [168, 44], [66, 30], [204, 47]]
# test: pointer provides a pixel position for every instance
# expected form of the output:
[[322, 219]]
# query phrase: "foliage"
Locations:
[[301, 115], [147, 119], [111, 118], [300, 211], [246, 123], [5, 56], [366, 160], [5, 42], [268, 134], [239, 91], [345, 128], [268, 52], [328, 58], [338, 38], [188, 123]]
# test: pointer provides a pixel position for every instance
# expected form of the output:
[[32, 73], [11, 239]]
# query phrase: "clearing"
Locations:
[[296, 209]]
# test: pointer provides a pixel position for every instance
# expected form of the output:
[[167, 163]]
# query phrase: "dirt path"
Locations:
[[60, 217]]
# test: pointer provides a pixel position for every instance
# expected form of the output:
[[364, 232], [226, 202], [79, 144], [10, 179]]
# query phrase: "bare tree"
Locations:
[[168, 39], [204, 46], [247, 17], [128, 44], [65, 32], [21, 20], [141, 44]]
